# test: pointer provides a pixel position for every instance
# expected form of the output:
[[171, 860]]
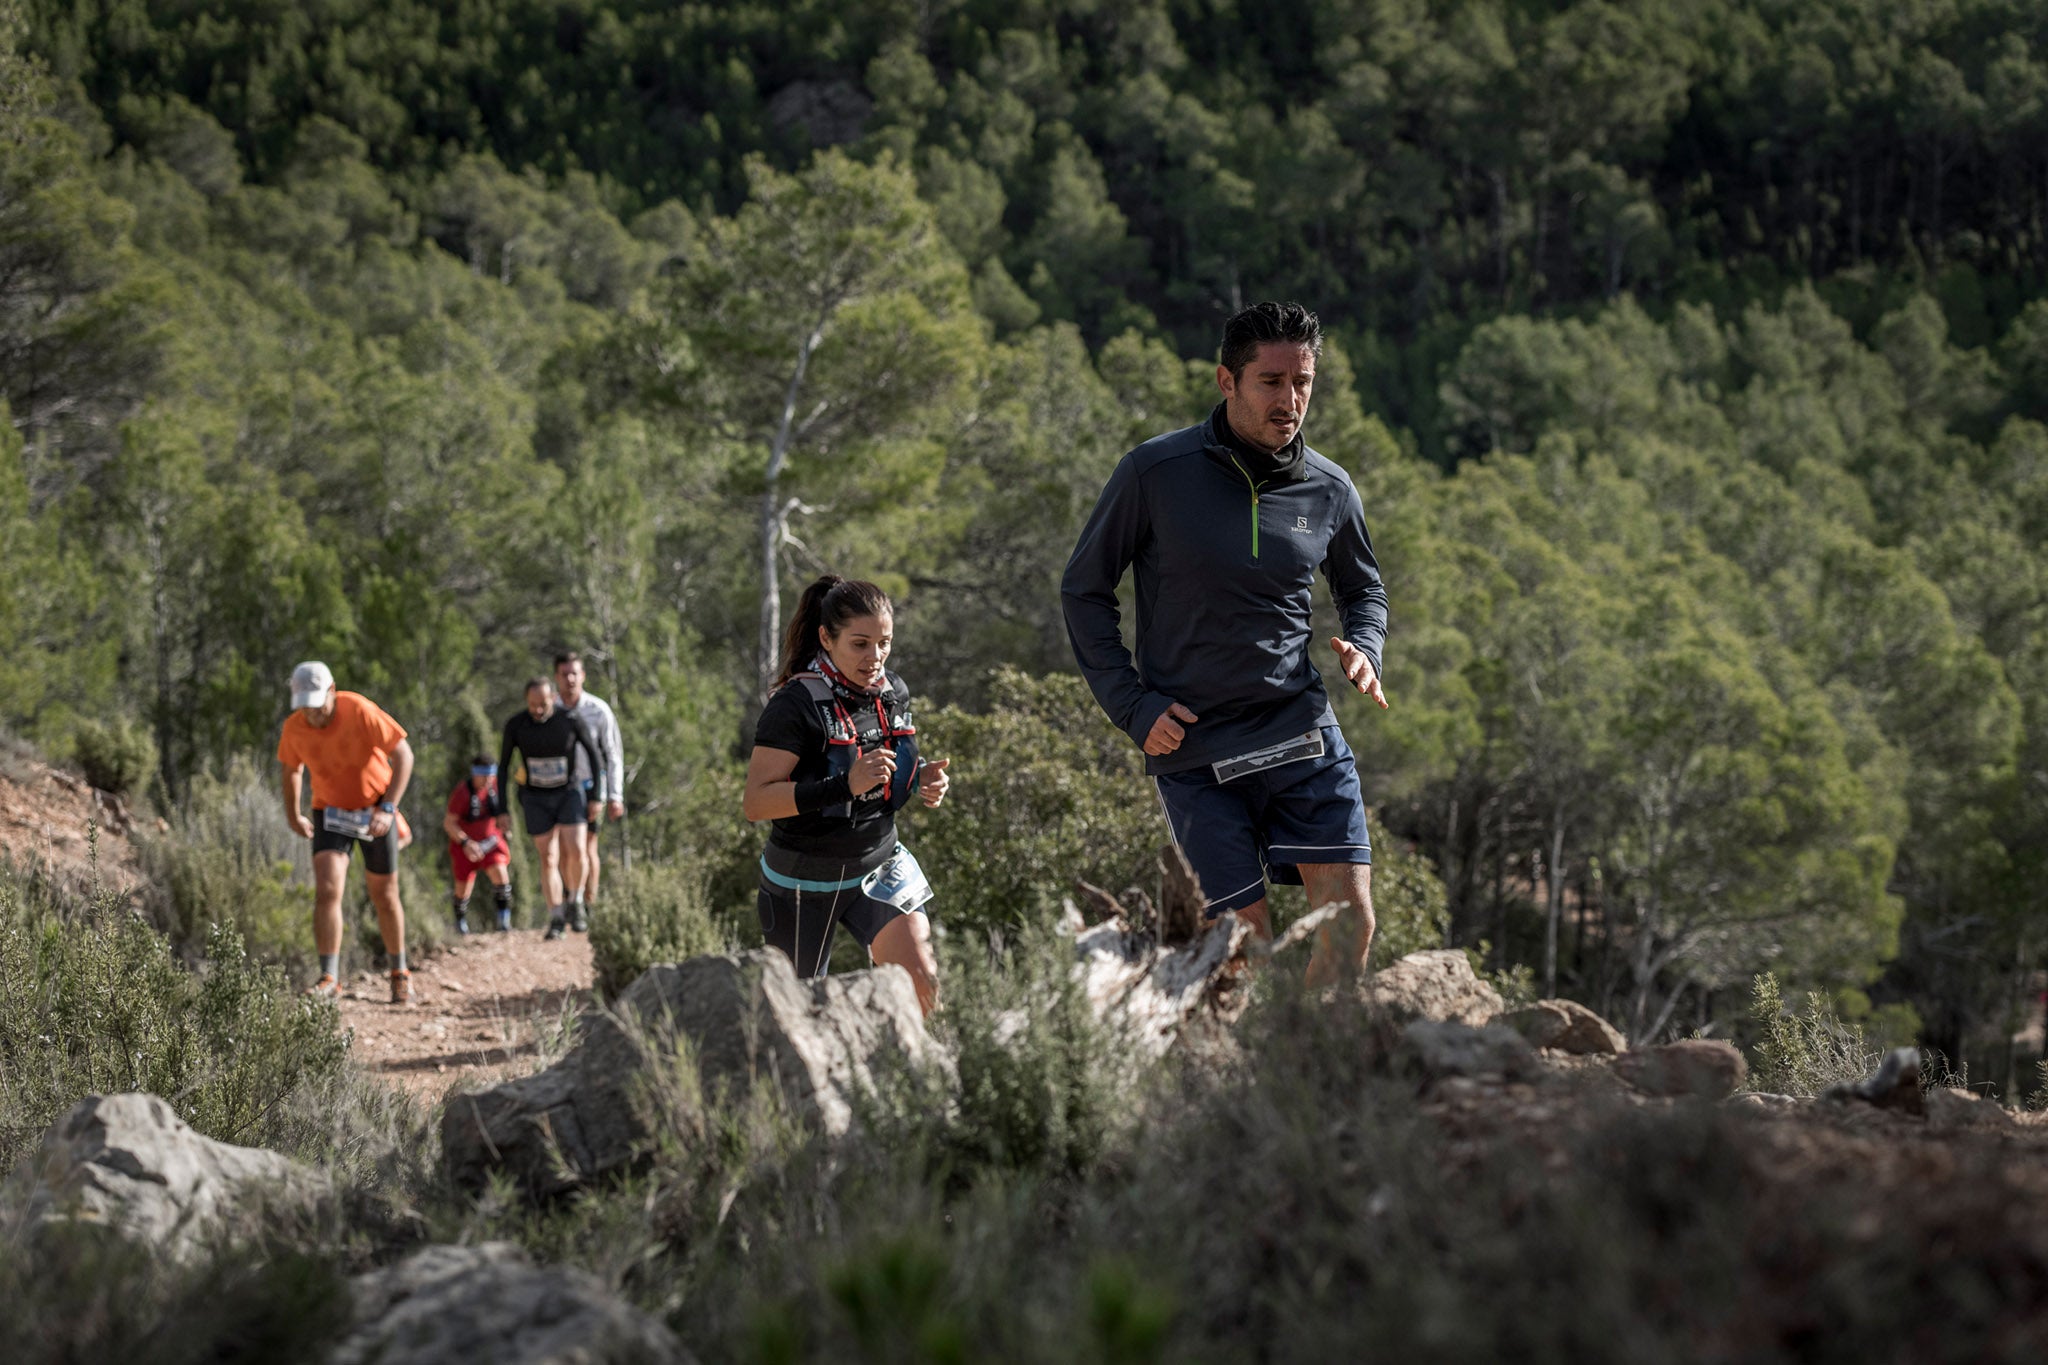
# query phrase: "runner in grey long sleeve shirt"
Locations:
[[597, 717], [1225, 525]]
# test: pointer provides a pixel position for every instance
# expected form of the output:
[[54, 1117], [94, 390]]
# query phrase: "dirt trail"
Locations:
[[486, 1008]]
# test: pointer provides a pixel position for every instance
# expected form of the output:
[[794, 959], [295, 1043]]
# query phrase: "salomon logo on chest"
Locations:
[[1301, 525]]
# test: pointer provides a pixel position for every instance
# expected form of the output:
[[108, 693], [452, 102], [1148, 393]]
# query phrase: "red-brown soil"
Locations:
[[46, 819]]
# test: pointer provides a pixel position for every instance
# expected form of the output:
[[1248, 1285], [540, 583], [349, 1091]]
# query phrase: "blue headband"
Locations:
[[483, 770]]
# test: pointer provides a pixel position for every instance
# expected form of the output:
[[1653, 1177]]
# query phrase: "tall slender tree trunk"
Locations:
[[1499, 181], [1500, 888], [1553, 885], [160, 633], [774, 515], [1855, 212]]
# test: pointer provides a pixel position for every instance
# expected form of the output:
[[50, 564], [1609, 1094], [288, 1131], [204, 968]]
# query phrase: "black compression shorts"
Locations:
[[800, 915]]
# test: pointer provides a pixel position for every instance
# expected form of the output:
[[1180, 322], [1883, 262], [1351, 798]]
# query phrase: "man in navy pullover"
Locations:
[[1225, 524]]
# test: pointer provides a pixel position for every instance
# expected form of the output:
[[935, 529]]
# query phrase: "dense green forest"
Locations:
[[1690, 355]]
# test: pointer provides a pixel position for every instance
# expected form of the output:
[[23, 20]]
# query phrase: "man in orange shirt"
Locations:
[[360, 762]]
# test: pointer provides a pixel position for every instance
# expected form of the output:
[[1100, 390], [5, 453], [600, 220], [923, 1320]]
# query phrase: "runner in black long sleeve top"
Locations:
[[1224, 527], [555, 737], [546, 737]]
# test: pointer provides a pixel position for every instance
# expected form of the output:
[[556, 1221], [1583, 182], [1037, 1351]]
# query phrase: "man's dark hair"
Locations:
[[1264, 322], [544, 684], [568, 656]]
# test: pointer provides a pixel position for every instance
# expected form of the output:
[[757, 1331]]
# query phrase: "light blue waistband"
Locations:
[[800, 884]]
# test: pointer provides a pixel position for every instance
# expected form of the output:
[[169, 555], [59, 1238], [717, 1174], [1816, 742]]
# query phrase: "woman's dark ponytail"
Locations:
[[828, 603]]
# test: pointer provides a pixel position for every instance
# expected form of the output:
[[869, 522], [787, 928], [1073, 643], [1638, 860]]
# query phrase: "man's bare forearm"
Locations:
[[401, 771]]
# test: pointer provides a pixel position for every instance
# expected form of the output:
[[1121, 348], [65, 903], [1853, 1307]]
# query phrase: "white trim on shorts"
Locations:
[[1259, 880], [1320, 848]]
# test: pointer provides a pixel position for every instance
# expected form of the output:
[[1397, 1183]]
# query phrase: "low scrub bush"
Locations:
[[1803, 1053], [78, 1296], [115, 756], [1043, 1086], [1044, 791], [94, 1001], [715, 839], [230, 858], [655, 913]]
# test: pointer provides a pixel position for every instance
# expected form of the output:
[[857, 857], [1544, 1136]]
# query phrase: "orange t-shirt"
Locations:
[[347, 756]]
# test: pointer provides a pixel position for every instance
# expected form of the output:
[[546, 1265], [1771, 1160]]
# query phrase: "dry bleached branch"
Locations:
[[1151, 971]]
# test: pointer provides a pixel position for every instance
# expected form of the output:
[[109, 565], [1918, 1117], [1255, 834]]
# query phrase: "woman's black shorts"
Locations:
[[801, 907]]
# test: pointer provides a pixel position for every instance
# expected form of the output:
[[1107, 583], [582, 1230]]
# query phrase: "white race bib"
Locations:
[[354, 823], [900, 882], [547, 772]]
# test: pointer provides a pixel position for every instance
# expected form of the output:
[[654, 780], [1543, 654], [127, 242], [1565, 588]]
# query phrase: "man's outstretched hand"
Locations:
[[1358, 669], [1166, 732]]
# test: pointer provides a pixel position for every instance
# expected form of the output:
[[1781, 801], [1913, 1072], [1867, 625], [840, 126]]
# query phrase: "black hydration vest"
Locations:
[[856, 724]]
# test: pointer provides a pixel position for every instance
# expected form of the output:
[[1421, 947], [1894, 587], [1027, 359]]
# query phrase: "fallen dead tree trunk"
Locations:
[[1149, 970]]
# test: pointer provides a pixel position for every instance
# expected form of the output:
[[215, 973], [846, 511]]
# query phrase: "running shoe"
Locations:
[[326, 988], [579, 918], [462, 924], [401, 988], [504, 921], [555, 929]]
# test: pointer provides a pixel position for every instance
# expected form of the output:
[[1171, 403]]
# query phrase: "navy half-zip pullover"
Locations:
[[1225, 554]]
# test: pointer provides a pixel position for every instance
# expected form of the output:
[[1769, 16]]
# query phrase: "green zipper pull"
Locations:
[[1255, 503]]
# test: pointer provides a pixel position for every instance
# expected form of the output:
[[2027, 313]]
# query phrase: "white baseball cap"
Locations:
[[312, 685]]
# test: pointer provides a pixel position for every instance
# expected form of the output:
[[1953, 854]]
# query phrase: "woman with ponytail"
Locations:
[[835, 756]]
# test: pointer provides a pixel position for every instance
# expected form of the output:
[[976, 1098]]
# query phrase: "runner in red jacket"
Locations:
[[476, 841]]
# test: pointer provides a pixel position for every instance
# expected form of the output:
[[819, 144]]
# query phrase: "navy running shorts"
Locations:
[[1239, 835], [546, 807], [379, 855]]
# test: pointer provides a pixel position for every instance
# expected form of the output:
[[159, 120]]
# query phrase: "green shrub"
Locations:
[[1042, 1085], [655, 913], [74, 1296], [1044, 791], [1804, 1053], [116, 757], [95, 1002], [230, 858], [714, 838], [1411, 911], [19, 757]]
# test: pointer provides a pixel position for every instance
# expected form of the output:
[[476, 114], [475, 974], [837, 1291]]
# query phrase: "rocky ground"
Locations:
[[486, 1008], [1805, 1213]]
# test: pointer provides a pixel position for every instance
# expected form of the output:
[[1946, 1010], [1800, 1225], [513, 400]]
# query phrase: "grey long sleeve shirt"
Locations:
[[1225, 564]]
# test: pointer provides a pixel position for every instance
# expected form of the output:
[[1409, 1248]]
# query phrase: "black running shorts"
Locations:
[[546, 807], [380, 855]]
